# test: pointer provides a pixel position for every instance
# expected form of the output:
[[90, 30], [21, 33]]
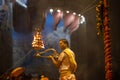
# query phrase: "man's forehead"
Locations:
[[60, 41]]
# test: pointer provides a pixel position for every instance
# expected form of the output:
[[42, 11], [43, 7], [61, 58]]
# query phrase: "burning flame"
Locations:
[[37, 41]]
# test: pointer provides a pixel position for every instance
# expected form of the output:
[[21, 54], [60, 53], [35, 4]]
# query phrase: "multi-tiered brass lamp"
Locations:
[[37, 43]]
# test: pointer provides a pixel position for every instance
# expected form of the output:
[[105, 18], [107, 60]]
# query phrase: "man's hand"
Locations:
[[50, 57]]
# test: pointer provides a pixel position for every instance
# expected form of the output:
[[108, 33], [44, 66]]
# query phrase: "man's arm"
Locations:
[[55, 62]]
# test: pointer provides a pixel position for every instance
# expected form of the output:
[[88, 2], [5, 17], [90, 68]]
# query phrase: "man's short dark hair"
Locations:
[[65, 41]]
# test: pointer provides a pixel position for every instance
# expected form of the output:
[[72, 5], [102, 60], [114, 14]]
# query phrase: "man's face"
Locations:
[[62, 44]]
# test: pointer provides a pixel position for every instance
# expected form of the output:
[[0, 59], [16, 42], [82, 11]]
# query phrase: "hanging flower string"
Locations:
[[107, 43], [99, 18], [103, 30]]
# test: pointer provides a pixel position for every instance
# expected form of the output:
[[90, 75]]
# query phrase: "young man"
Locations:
[[66, 61]]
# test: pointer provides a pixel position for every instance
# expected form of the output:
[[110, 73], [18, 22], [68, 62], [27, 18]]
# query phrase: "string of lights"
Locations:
[[89, 7]]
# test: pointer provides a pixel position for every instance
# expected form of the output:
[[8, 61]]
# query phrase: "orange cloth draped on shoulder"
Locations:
[[72, 59]]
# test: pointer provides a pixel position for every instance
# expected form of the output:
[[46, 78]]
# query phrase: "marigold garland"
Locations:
[[99, 18], [103, 29]]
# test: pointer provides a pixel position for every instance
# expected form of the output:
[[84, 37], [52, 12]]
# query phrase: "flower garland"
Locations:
[[103, 30], [99, 18]]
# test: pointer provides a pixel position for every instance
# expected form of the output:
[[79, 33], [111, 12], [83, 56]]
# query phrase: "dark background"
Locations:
[[87, 45]]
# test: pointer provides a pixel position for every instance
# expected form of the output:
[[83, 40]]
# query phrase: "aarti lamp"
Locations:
[[38, 44]]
